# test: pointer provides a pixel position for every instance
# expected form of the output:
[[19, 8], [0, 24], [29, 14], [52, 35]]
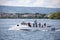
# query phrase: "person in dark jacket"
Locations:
[[45, 24], [42, 26], [35, 22], [33, 25], [39, 24], [29, 24]]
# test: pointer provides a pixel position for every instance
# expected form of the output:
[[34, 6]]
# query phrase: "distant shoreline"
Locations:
[[55, 15]]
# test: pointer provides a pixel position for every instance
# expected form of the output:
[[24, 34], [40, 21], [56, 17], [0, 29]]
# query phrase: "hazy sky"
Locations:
[[32, 3]]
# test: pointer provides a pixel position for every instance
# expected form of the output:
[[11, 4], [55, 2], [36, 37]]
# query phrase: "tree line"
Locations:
[[55, 15]]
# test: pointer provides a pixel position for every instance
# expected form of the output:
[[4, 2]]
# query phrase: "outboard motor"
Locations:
[[53, 29]]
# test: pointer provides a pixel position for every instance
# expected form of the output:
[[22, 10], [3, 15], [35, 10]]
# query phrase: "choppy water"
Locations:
[[28, 35]]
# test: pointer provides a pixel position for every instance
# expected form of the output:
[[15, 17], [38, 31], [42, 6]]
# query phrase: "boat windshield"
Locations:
[[23, 23]]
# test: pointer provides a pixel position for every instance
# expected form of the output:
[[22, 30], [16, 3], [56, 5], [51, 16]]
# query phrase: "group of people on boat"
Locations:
[[35, 24]]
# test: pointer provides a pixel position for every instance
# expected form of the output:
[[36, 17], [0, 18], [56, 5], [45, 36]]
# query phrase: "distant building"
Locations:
[[30, 15]]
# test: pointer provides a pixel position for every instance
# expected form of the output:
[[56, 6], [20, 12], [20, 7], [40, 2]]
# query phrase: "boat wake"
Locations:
[[17, 27]]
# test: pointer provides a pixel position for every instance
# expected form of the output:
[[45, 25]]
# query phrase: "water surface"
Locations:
[[28, 35]]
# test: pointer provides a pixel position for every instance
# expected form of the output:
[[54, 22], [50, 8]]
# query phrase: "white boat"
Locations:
[[26, 27]]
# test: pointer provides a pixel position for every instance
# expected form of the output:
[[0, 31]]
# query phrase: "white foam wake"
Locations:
[[15, 27]]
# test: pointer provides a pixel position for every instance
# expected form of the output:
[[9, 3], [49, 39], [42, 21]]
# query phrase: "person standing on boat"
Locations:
[[39, 24], [35, 23], [44, 24], [29, 24]]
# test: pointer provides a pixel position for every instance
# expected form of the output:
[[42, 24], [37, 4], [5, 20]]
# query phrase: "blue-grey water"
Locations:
[[6, 34]]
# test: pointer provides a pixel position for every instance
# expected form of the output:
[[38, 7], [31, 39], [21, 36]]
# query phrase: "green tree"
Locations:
[[55, 15]]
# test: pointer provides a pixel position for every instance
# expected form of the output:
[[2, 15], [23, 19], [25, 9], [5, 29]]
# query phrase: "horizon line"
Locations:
[[27, 6]]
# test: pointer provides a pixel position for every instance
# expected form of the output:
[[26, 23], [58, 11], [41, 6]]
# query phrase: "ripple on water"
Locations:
[[28, 35]]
